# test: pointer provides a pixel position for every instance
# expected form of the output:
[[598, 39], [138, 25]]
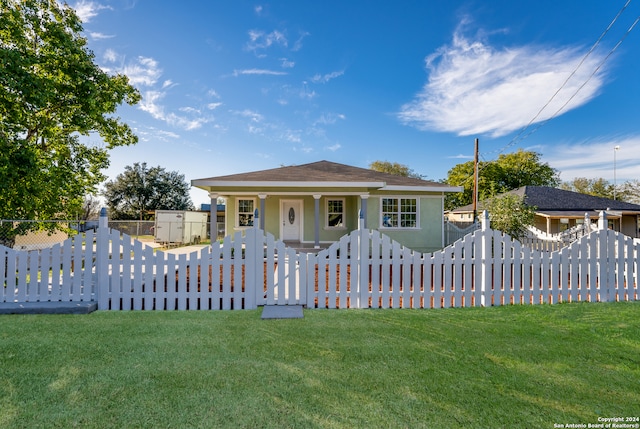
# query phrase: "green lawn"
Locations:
[[511, 367]]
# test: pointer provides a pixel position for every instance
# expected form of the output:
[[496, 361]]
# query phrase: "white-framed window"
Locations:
[[335, 213], [399, 212], [245, 209]]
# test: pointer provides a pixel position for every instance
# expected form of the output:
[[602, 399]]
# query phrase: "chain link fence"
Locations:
[[35, 235]]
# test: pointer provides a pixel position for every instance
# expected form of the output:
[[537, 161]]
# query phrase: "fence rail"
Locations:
[[365, 269]]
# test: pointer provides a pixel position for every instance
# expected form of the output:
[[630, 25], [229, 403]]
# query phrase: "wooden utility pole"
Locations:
[[475, 182]]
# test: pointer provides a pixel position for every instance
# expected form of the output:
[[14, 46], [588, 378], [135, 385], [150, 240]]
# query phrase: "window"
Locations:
[[245, 212], [399, 213], [335, 213]]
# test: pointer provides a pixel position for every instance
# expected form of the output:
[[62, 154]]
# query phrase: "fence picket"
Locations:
[[375, 268], [364, 269]]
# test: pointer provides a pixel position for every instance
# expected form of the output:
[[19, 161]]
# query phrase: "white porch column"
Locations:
[[213, 215], [363, 208], [262, 197], [316, 221]]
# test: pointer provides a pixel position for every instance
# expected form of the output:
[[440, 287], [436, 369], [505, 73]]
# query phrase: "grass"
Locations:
[[514, 366]]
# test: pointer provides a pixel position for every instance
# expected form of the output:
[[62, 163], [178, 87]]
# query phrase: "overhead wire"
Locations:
[[519, 137]]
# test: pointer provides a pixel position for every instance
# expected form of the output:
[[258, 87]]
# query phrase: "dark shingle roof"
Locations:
[[323, 171], [553, 199]]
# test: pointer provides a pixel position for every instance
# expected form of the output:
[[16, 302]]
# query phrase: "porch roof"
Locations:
[[320, 175]]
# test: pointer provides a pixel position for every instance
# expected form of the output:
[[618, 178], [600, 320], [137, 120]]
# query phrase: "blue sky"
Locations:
[[236, 86]]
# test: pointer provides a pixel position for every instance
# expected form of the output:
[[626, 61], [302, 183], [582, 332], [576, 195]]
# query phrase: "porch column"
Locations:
[[213, 222], [262, 197], [316, 221], [363, 208], [548, 225]]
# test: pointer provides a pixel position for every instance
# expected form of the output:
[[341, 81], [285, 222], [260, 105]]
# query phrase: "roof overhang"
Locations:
[[204, 183], [403, 188]]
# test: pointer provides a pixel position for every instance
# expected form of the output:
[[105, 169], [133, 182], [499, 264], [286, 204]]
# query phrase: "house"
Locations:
[[313, 205], [558, 210]]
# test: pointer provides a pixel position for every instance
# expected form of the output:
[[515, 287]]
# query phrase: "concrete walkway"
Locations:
[[48, 307], [282, 312]]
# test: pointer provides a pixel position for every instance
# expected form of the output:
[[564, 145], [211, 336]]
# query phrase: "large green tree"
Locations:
[[139, 191], [509, 171], [394, 168], [596, 187], [52, 93], [630, 191]]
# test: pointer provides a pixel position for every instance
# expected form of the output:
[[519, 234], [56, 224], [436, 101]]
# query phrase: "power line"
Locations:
[[519, 136]]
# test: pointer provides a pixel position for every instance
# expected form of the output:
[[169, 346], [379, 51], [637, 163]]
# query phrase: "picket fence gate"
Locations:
[[365, 269]]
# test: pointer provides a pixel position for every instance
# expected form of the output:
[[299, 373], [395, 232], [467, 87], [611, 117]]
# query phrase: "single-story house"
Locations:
[[558, 210], [313, 205]]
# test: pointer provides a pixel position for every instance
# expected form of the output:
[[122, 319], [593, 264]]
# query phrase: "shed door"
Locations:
[[291, 219]]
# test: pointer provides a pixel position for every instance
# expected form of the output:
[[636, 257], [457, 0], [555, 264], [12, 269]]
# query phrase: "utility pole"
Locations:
[[475, 182]]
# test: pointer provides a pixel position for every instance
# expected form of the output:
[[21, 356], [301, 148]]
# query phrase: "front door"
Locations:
[[291, 220]]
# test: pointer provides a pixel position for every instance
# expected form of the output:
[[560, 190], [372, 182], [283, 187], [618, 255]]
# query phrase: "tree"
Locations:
[[394, 168], [630, 191], [51, 93], [596, 187], [139, 191], [510, 214], [510, 171]]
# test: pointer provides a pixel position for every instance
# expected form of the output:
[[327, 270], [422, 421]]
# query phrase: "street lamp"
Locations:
[[616, 148]]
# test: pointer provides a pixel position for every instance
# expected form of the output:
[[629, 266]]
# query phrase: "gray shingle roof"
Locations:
[[553, 199]]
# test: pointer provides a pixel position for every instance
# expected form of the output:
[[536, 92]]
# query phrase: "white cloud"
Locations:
[[287, 64], [247, 113], [100, 36], [213, 93], [258, 72], [258, 9], [213, 106], [150, 103], [167, 83], [87, 10], [259, 40], [334, 147], [298, 43], [474, 88], [145, 71], [110, 56], [318, 78], [329, 118], [594, 159]]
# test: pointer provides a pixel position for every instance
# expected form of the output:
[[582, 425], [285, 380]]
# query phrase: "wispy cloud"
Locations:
[[474, 88], [297, 45], [143, 71], [259, 40], [100, 36], [334, 148], [258, 72], [247, 113], [287, 64], [594, 159], [329, 118], [213, 106], [318, 78], [87, 10]]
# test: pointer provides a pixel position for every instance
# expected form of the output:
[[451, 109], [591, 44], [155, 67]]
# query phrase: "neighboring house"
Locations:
[[315, 204], [558, 210]]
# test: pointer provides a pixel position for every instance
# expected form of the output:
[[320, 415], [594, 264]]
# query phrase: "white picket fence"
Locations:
[[365, 269]]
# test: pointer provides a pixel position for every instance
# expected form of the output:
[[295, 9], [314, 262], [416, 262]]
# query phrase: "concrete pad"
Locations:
[[282, 312], [48, 307]]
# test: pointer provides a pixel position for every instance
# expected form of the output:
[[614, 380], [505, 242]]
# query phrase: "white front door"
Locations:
[[291, 219]]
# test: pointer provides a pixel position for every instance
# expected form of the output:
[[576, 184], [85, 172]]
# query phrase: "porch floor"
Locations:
[[305, 247]]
